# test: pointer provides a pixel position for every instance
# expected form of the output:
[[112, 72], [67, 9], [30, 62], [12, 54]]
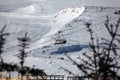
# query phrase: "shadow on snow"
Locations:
[[70, 48]]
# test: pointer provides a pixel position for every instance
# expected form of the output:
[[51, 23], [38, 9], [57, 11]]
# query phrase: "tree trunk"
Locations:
[[36, 77], [9, 75]]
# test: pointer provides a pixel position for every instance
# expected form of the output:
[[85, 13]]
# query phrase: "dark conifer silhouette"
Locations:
[[37, 73], [22, 53], [3, 65], [23, 70], [3, 36], [2, 41], [9, 68], [100, 64]]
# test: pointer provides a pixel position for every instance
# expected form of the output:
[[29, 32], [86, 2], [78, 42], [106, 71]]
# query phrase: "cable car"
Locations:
[[60, 40], [117, 12]]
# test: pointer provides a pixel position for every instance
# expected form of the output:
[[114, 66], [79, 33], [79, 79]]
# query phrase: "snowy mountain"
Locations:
[[43, 22]]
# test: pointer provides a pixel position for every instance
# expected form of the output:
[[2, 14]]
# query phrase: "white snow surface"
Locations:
[[30, 9], [42, 21]]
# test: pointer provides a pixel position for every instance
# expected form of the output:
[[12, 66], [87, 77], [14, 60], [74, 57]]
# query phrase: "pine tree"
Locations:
[[100, 64], [3, 36], [3, 65], [2, 41], [36, 73], [9, 68], [22, 53]]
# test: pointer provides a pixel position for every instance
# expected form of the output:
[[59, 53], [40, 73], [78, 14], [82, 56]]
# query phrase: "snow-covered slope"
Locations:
[[29, 10], [43, 26]]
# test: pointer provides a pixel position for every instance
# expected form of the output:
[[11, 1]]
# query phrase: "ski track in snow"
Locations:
[[43, 28], [54, 22]]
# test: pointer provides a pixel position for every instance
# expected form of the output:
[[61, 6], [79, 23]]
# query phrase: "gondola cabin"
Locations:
[[60, 41], [117, 12]]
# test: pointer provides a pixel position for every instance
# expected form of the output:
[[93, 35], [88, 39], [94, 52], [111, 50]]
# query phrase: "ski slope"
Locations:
[[42, 21], [40, 29]]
